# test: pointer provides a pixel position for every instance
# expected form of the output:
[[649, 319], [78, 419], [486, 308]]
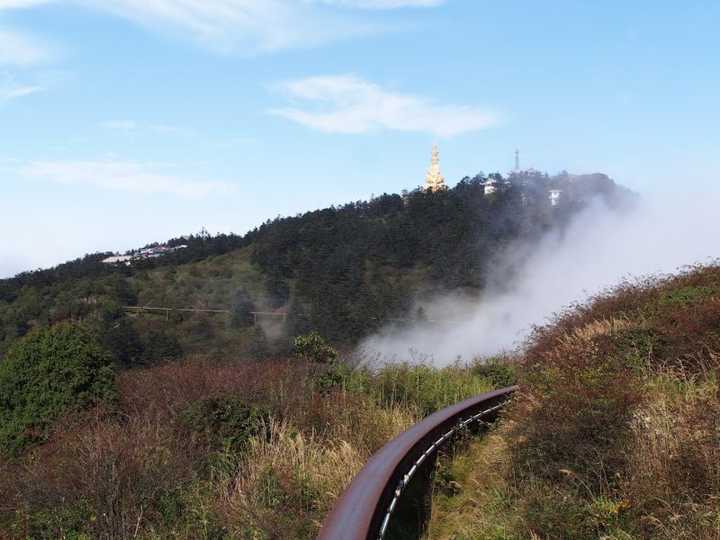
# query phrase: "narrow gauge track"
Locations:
[[366, 508]]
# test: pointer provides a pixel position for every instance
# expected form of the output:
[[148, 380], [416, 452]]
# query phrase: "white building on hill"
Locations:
[[554, 196]]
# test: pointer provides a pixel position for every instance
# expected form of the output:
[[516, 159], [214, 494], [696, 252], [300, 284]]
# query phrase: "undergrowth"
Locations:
[[615, 432], [197, 449]]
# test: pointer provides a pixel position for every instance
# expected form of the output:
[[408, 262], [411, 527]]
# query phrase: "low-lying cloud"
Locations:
[[599, 250]]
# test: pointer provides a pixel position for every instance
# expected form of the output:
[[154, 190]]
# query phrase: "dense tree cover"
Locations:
[[354, 266], [47, 373], [342, 271]]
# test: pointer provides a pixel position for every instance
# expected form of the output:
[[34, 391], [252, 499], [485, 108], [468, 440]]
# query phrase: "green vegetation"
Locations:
[[231, 412], [48, 373], [198, 449], [614, 432], [313, 348], [341, 271]]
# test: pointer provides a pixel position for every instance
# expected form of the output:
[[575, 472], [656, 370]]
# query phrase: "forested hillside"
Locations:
[[213, 444], [343, 271]]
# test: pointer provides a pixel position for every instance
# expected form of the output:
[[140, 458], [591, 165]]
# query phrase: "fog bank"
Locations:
[[598, 250]]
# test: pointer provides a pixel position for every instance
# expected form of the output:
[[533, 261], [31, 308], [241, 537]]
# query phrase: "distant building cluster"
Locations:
[[434, 180], [145, 253]]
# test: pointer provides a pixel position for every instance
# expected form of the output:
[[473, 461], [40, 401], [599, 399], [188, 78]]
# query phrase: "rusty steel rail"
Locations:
[[365, 508]]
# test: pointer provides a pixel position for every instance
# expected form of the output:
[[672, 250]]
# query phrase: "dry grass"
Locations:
[[673, 474], [285, 475], [143, 470], [615, 433]]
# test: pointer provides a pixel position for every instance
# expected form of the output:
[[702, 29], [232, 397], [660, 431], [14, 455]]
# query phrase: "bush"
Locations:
[[160, 345], [46, 374], [575, 410], [500, 373], [119, 337], [224, 422], [312, 347]]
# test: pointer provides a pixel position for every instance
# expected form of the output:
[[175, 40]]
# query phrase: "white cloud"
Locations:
[[122, 176], [383, 4], [130, 126], [18, 4], [18, 49], [10, 88], [236, 25], [600, 248], [348, 104], [14, 92], [245, 26], [121, 125]]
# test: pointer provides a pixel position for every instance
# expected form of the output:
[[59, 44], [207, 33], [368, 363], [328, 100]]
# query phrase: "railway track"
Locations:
[[382, 500]]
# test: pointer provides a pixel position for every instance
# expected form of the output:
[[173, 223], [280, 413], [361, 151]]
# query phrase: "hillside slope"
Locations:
[[343, 271], [616, 430]]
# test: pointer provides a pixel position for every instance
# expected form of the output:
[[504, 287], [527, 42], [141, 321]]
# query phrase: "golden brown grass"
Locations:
[[152, 468], [287, 473], [615, 433]]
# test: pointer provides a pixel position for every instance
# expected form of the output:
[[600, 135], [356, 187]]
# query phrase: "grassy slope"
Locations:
[[616, 432]]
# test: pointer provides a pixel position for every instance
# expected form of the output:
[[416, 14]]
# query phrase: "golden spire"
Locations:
[[434, 180]]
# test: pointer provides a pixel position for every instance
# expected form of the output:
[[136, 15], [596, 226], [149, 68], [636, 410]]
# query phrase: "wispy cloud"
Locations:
[[382, 4], [18, 4], [245, 26], [120, 125], [126, 176], [17, 92], [11, 89], [236, 25], [131, 126], [348, 104], [19, 49]]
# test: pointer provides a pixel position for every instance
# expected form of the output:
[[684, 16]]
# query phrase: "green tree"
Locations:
[[313, 348], [48, 373], [160, 345]]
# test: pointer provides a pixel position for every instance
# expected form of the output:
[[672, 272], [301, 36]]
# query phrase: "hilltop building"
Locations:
[[490, 186], [434, 180], [145, 253], [554, 196], [119, 259]]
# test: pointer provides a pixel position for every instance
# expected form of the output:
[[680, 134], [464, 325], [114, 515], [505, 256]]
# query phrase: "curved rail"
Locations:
[[365, 508]]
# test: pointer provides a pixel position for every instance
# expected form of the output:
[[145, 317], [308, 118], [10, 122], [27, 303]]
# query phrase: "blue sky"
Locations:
[[129, 121]]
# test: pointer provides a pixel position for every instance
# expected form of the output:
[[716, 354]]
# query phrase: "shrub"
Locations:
[[160, 345], [575, 408], [46, 374], [224, 422], [312, 347], [499, 372]]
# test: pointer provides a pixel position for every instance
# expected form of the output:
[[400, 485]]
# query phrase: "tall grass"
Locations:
[[423, 387], [615, 432], [169, 461]]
